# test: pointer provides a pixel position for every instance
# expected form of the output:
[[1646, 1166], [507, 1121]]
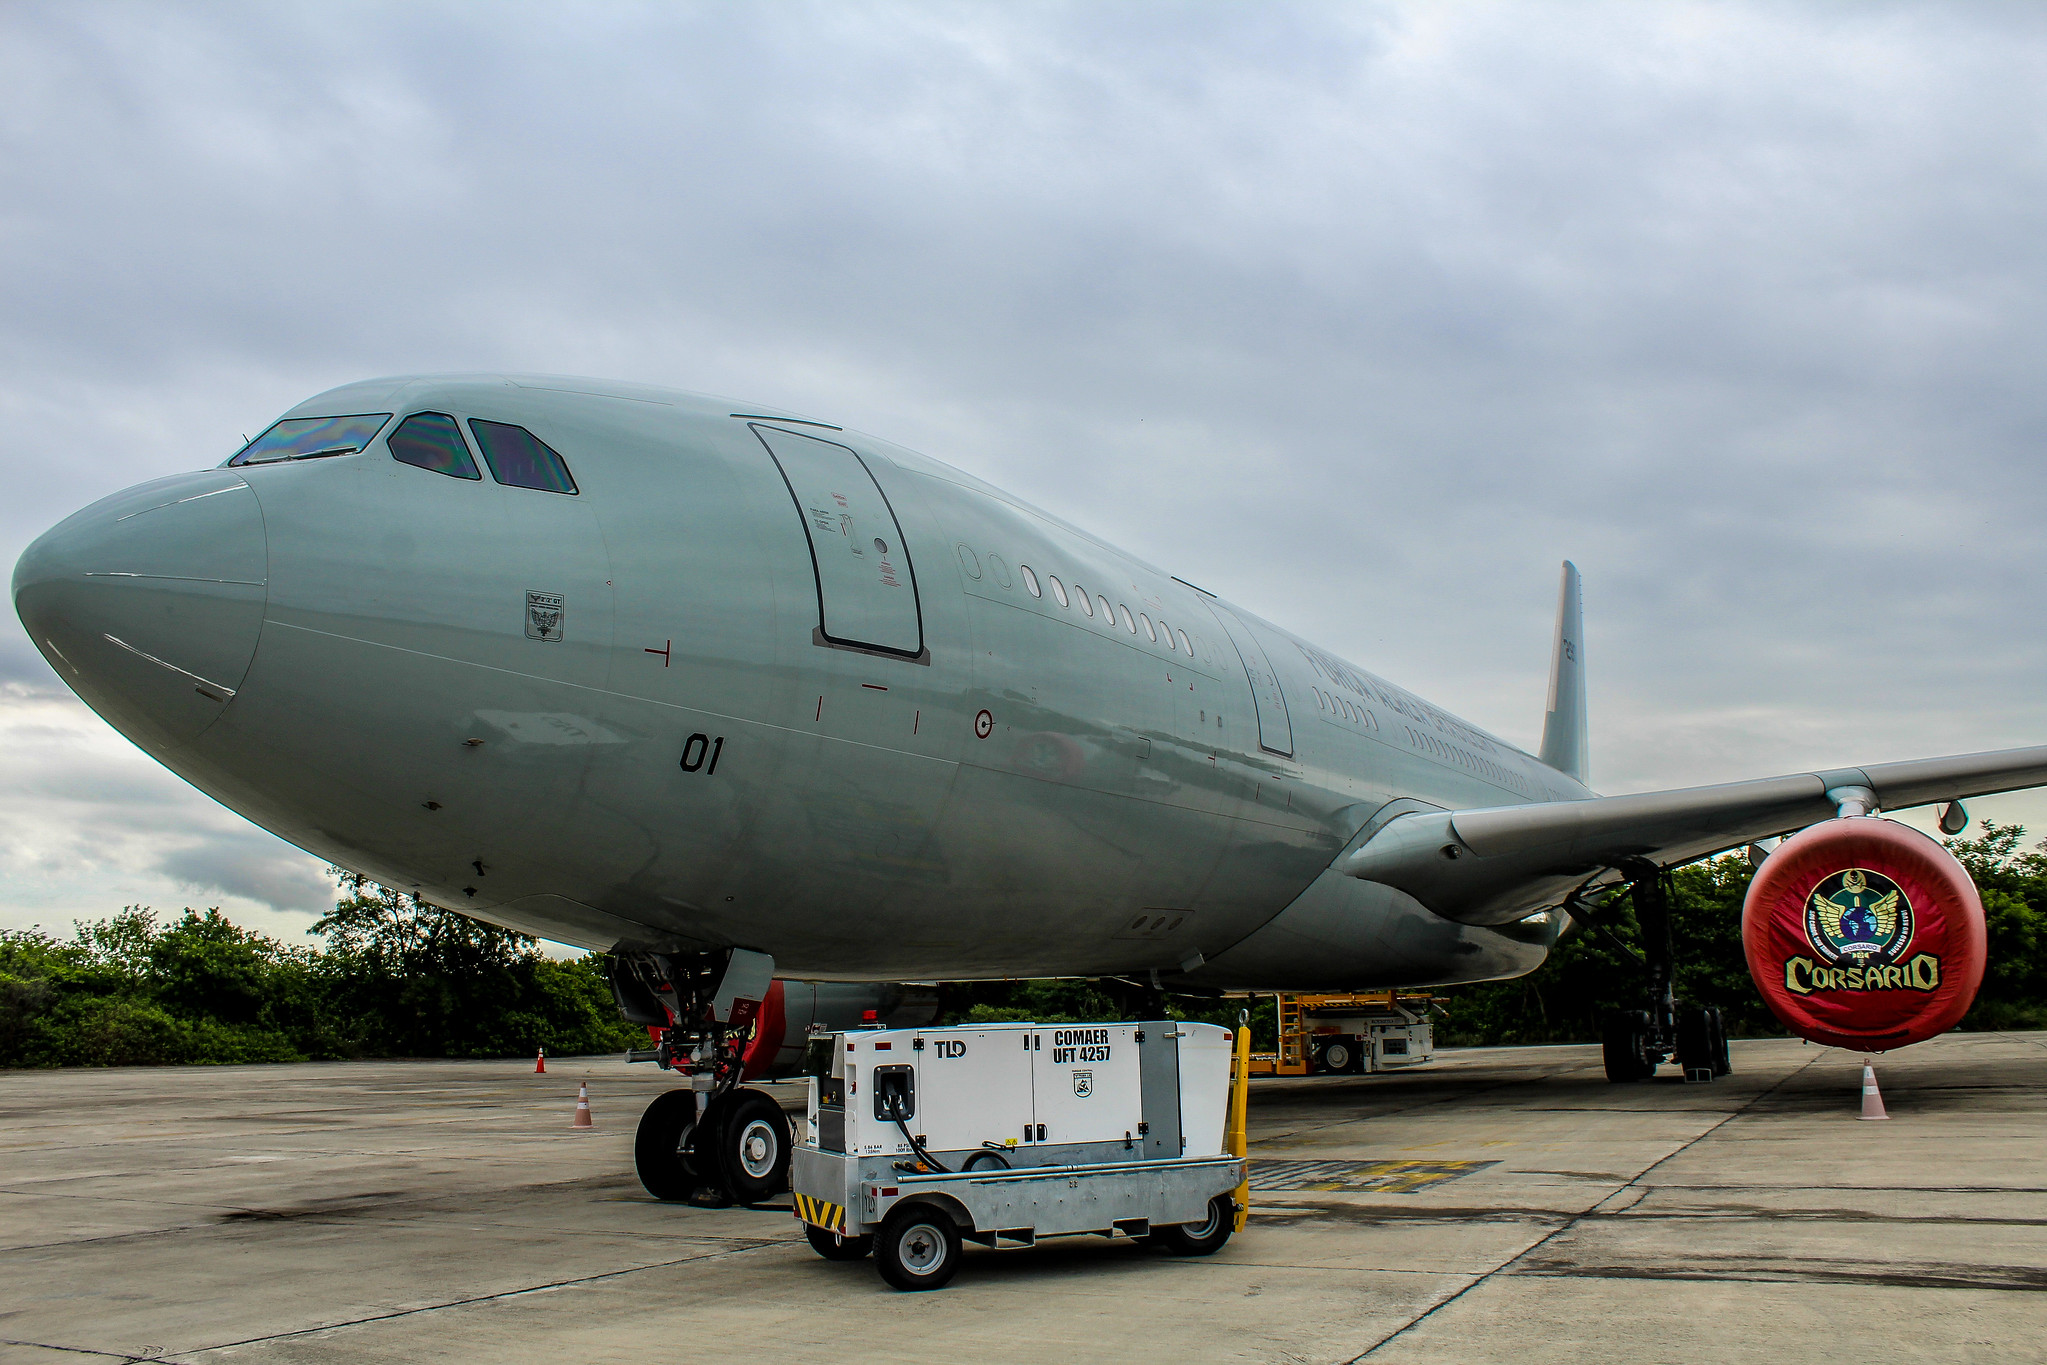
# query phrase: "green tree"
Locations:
[[1589, 974], [2013, 884], [417, 980], [206, 966], [396, 978]]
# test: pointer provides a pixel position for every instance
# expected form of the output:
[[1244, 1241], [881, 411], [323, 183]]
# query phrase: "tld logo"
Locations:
[[951, 1047]]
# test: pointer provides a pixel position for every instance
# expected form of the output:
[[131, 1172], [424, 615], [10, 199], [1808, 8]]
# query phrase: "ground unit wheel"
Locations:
[[918, 1248], [1625, 1045], [753, 1146], [836, 1246], [1339, 1055], [1203, 1238], [665, 1172]]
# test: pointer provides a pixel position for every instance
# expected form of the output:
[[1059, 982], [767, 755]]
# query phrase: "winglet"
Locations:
[[1564, 744]]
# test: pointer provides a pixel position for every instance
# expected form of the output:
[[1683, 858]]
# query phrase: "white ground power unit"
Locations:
[[920, 1139]]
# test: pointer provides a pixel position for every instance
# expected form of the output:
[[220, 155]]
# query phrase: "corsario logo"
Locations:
[[1859, 924]]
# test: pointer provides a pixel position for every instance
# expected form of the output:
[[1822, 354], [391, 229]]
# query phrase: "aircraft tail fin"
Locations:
[[1564, 741]]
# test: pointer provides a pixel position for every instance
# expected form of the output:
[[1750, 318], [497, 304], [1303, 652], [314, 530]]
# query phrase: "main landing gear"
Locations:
[[717, 1142], [1636, 1042]]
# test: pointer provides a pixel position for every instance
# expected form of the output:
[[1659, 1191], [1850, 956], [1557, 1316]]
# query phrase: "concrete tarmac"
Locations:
[[1501, 1205]]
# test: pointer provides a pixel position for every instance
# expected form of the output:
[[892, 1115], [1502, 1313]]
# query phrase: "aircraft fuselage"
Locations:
[[765, 683]]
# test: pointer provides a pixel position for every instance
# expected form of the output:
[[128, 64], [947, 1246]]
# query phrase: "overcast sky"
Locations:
[[1362, 315]]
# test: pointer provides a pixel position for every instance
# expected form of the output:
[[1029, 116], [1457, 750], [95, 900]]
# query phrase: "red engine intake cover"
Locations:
[[1864, 934], [768, 1028]]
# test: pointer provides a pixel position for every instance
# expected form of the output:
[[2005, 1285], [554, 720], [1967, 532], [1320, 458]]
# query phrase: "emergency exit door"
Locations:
[[1275, 730], [866, 586]]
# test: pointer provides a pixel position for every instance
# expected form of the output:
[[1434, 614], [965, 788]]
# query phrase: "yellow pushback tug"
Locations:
[[1342, 1034]]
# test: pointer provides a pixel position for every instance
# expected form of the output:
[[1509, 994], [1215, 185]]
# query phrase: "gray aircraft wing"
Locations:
[[1498, 863]]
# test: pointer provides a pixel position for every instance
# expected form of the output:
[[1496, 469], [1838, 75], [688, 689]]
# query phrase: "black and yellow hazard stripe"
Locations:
[[825, 1215]]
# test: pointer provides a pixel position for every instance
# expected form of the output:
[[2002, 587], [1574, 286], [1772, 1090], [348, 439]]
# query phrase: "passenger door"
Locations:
[[866, 585], [1275, 730]]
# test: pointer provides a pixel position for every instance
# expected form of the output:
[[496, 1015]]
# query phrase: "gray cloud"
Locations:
[[254, 868], [88, 825], [1362, 315]]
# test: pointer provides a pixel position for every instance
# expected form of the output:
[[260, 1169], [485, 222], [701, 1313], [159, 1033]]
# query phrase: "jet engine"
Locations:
[[1865, 934]]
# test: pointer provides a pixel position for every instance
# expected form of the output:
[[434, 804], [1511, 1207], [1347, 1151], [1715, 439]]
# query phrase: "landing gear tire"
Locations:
[[752, 1136], [1723, 1065], [918, 1248], [1200, 1239], [1625, 1046], [835, 1246], [1695, 1039], [1339, 1056], [665, 1172]]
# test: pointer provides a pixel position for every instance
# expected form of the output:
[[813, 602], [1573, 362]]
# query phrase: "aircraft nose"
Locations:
[[149, 603]]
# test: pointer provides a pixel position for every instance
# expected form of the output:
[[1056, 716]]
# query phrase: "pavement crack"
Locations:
[[2023, 1279], [1572, 1222], [484, 1298], [83, 1351]]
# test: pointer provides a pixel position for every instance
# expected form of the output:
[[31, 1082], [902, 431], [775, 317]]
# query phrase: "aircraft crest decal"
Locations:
[[545, 613], [1861, 916], [1860, 925]]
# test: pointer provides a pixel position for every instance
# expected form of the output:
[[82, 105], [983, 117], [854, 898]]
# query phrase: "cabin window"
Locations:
[[1000, 568], [1080, 596], [1129, 622], [519, 459], [1185, 648], [432, 440], [1107, 610], [1030, 580], [309, 438], [1149, 633], [1058, 589]]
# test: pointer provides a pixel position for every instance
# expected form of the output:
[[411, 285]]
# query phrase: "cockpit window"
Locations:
[[431, 440], [520, 459], [308, 438]]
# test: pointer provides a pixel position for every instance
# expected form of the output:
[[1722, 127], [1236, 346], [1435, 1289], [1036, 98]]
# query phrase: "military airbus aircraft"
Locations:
[[730, 693]]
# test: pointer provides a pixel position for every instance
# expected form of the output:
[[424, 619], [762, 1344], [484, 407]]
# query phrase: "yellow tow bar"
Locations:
[[1239, 1135]]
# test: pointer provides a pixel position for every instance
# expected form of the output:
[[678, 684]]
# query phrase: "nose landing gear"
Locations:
[[714, 1143]]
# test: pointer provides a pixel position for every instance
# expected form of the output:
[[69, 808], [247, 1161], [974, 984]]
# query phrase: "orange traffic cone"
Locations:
[[540, 1062], [583, 1107], [1872, 1100]]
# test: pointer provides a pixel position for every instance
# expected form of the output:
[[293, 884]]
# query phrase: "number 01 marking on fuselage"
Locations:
[[697, 748]]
